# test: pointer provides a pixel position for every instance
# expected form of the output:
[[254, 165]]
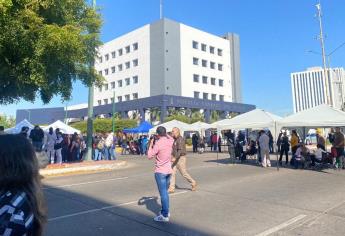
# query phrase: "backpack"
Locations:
[[100, 145]]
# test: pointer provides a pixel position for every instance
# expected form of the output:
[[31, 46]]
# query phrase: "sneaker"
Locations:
[[161, 218]]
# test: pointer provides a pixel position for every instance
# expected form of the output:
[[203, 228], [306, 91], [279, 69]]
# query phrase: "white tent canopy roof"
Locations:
[[16, 129], [198, 126], [319, 116], [170, 125], [63, 128], [255, 119]]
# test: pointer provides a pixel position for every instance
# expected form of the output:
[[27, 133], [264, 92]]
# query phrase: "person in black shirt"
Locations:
[[284, 148], [21, 200], [37, 135]]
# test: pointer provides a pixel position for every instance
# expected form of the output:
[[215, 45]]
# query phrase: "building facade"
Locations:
[[309, 88], [169, 58]]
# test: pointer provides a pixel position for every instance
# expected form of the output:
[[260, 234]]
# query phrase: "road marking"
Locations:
[[85, 183], [104, 208], [281, 226]]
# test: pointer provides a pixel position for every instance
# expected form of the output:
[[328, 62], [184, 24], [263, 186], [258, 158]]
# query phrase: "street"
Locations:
[[240, 199]]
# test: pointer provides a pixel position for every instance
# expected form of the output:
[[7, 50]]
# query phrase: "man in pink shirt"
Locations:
[[161, 148]]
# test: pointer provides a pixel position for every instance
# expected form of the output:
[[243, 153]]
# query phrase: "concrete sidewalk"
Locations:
[[81, 167]]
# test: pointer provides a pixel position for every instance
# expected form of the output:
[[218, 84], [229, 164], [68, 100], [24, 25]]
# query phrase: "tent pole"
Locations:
[[275, 144]]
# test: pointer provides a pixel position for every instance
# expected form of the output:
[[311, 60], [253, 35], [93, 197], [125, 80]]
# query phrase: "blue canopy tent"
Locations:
[[144, 127]]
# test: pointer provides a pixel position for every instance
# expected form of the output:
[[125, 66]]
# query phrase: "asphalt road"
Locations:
[[241, 199]]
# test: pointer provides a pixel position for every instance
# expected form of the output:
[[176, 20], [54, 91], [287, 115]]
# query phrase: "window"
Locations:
[[204, 63], [135, 62], [112, 85], [213, 81], [220, 67], [127, 97], [113, 68], [220, 52], [195, 45], [195, 61], [196, 78], [106, 87], [221, 98], [112, 100], [100, 88], [203, 47], [135, 46], [212, 65], [113, 54], [211, 50], [105, 101], [196, 95], [119, 98], [99, 102], [205, 95], [119, 67], [214, 97], [106, 71], [119, 83], [107, 57], [135, 95], [127, 81], [120, 52], [135, 79], [128, 65], [204, 79], [100, 59], [100, 72], [128, 49], [221, 83]]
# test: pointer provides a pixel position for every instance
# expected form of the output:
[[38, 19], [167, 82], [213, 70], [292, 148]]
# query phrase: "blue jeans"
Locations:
[[163, 182], [98, 155]]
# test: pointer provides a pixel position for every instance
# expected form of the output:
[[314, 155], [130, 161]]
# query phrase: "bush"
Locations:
[[105, 125], [189, 141]]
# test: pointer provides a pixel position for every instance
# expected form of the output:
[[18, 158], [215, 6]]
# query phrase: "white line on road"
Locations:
[[84, 183], [281, 226], [103, 208]]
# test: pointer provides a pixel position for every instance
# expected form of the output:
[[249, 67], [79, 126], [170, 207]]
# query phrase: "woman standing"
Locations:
[[20, 189]]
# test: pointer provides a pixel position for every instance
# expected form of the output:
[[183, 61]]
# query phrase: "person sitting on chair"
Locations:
[[250, 150]]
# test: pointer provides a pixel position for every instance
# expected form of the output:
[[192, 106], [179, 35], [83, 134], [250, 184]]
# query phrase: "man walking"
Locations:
[[37, 135], [161, 148], [338, 143], [179, 160], [264, 141], [51, 137]]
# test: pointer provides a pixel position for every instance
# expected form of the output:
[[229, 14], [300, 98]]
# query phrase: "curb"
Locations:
[[81, 169]]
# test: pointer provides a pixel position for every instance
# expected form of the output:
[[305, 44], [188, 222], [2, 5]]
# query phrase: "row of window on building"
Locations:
[[126, 97], [120, 83], [205, 63], [119, 52], [206, 96], [120, 67], [206, 48], [205, 80]]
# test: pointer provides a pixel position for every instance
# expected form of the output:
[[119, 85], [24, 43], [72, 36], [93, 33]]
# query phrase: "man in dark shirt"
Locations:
[[179, 160], [37, 135], [338, 143]]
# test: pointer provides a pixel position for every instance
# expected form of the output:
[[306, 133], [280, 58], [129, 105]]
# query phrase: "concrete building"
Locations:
[[309, 88], [170, 58]]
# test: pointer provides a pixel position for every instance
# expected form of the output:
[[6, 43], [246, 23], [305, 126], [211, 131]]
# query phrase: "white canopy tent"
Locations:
[[198, 126], [255, 119], [316, 117], [16, 129], [66, 129], [170, 125]]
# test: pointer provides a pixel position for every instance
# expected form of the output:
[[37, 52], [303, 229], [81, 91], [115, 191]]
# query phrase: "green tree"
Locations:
[[105, 125], [46, 45], [178, 117], [7, 121]]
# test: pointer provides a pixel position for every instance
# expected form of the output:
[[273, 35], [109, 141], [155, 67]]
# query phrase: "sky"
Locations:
[[275, 37]]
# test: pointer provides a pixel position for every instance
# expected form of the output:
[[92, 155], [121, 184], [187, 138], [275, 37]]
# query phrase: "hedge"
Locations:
[[105, 125]]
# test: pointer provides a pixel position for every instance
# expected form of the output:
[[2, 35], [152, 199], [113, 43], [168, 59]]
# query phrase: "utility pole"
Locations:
[[113, 113], [161, 9], [321, 37], [90, 109]]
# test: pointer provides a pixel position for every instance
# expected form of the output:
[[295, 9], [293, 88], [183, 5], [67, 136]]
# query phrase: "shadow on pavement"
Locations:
[[73, 214]]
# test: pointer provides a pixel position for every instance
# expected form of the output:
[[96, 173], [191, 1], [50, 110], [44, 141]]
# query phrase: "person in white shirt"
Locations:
[[264, 149], [51, 137], [58, 148], [318, 156]]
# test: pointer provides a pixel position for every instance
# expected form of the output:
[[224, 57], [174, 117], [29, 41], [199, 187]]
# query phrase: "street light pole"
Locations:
[[319, 14], [90, 109]]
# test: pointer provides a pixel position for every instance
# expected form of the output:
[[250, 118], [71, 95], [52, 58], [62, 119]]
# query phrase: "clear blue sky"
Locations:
[[275, 35]]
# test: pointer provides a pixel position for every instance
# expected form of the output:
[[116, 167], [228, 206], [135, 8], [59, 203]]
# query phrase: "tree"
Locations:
[[45, 45], [105, 125], [7, 121]]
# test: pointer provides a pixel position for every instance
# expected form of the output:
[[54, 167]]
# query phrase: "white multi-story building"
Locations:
[[309, 88], [169, 58]]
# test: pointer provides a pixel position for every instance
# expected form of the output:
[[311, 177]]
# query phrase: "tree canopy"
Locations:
[[46, 45]]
